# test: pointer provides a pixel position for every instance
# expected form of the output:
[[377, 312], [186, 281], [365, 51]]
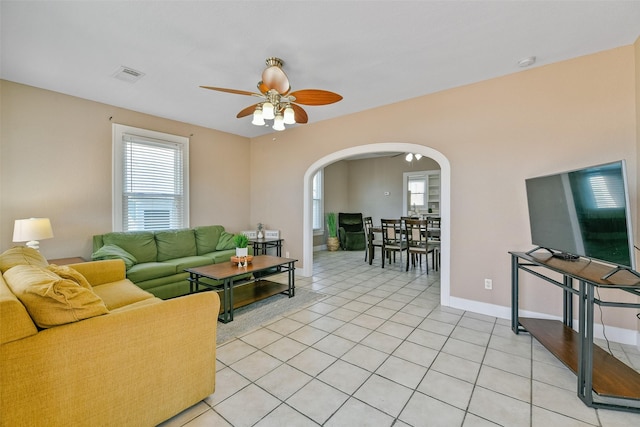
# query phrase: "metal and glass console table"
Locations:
[[603, 380]]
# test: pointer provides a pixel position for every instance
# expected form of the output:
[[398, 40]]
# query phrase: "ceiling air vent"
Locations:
[[127, 74]]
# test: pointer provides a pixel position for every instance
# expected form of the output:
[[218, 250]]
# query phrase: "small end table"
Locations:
[[260, 246], [65, 261]]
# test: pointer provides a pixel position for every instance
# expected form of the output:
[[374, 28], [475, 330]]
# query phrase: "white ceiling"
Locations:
[[372, 53]]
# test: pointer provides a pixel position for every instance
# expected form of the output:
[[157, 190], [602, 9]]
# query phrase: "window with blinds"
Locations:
[[417, 188], [150, 180], [318, 204]]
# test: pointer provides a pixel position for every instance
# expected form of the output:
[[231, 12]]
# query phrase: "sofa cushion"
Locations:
[[187, 262], [175, 244], [150, 270], [223, 256], [121, 293], [21, 255], [111, 251], [66, 272], [50, 299], [225, 241], [140, 244], [207, 238], [135, 305]]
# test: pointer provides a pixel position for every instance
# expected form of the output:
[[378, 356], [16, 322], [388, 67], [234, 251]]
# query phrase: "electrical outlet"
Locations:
[[488, 284], [286, 255]]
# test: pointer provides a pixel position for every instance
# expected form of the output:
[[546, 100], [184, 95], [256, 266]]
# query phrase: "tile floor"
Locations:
[[381, 351]]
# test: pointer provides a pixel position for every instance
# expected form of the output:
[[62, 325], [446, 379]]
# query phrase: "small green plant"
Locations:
[[241, 240], [331, 224]]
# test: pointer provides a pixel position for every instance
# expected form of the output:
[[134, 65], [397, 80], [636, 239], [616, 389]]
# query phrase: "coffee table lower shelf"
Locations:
[[253, 291]]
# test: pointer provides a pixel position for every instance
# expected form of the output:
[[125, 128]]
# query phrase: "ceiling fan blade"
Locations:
[[247, 111], [315, 97], [300, 115], [236, 91]]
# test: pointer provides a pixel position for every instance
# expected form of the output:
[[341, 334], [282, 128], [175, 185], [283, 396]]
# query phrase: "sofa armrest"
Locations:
[[100, 272], [132, 367]]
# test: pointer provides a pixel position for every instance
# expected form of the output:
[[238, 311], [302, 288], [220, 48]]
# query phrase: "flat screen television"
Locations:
[[583, 213]]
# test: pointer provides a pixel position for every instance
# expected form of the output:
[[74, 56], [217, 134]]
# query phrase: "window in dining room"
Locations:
[[417, 186]]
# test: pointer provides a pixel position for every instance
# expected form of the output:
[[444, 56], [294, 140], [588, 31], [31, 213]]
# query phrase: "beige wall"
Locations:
[[637, 77], [369, 179], [495, 134], [637, 82], [55, 161], [336, 187], [359, 186]]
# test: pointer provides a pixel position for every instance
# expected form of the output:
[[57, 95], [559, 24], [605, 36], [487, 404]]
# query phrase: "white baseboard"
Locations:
[[614, 334], [320, 248]]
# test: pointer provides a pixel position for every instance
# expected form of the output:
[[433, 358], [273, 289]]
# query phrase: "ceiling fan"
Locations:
[[278, 103]]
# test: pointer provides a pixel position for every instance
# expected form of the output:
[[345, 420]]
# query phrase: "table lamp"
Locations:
[[31, 230]]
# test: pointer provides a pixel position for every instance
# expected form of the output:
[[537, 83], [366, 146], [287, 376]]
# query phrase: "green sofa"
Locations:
[[155, 260]]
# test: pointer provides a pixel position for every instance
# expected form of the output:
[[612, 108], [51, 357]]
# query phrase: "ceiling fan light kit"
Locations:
[[289, 115], [267, 110], [278, 122], [258, 118], [279, 104]]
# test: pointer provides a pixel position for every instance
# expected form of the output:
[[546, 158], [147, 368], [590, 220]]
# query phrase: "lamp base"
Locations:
[[33, 244]]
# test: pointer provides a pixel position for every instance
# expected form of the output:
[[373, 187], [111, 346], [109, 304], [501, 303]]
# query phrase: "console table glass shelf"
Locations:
[[603, 380]]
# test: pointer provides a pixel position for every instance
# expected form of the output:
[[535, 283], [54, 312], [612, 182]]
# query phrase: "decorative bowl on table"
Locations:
[[240, 259]]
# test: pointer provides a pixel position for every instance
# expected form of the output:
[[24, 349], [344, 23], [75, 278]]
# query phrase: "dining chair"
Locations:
[[433, 229], [392, 240], [418, 243], [372, 242]]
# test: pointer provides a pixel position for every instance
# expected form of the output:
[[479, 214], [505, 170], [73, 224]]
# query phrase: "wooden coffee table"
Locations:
[[247, 292]]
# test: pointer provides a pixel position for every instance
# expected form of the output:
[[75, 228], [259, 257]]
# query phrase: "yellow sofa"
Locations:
[[138, 364]]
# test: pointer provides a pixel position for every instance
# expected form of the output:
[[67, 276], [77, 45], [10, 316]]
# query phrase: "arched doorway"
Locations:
[[445, 202]]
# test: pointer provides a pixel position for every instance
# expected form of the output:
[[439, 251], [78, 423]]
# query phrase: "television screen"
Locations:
[[584, 212]]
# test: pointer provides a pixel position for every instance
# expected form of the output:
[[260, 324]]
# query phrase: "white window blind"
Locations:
[[151, 180], [417, 188], [318, 204]]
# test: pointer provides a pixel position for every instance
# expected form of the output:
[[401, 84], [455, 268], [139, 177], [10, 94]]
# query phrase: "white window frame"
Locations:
[[418, 178], [320, 200], [119, 132]]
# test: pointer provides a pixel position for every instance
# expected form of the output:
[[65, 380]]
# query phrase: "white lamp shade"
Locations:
[[289, 116], [418, 156], [31, 230], [257, 117], [278, 122], [267, 111]]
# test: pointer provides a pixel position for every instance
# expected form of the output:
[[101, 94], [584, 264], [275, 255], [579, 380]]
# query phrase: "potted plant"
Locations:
[[241, 242], [333, 243], [260, 227]]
